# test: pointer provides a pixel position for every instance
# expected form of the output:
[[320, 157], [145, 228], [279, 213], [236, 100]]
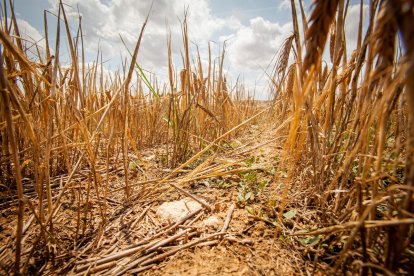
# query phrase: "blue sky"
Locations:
[[243, 10], [253, 30]]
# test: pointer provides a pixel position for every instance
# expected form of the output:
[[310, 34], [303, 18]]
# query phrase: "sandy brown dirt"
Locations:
[[255, 250], [249, 246]]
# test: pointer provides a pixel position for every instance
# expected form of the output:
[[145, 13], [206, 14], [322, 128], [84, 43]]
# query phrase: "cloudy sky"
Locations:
[[253, 30]]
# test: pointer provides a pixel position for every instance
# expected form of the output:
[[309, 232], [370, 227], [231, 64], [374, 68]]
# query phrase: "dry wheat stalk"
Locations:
[[320, 21]]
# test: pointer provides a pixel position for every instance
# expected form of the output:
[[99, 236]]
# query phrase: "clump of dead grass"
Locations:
[[351, 128]]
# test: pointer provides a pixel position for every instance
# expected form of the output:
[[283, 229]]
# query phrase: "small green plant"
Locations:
[[250, 161], [262, 185], [290, 214], [133, 165], [250, 185], [245, 191], [223, 184], [310, 240], [244, 194], [259, 215], [250, 177]]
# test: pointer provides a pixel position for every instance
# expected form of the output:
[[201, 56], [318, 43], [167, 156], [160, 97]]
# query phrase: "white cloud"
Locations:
[[254, 46], [352, 24], [31, 38], [251, 50], [28, 32], [104, 23], [284, 5]]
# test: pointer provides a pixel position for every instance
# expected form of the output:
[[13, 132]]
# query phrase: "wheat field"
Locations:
[[84, 157]]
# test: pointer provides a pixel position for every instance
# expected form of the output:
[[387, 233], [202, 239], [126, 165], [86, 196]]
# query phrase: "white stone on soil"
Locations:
[[212, 221], [175, 210]]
